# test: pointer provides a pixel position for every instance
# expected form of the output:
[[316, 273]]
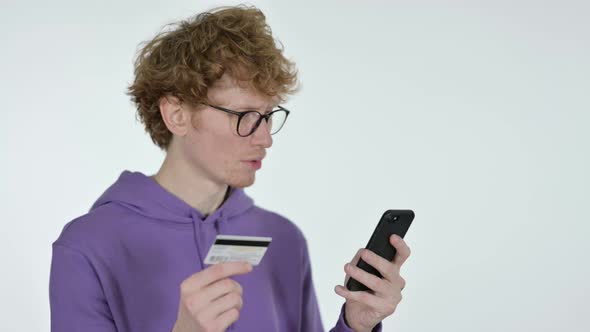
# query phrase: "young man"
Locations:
[[208, 93]]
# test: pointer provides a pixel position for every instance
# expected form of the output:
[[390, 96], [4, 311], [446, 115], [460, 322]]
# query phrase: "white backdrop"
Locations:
[[473, 114]]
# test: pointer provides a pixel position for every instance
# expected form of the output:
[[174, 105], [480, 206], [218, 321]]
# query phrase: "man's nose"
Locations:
[[261, 135]]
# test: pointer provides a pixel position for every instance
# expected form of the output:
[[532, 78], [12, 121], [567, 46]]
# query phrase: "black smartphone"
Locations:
[[392, 222]]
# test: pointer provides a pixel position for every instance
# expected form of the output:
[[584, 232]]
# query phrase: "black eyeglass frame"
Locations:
[[261, 117]]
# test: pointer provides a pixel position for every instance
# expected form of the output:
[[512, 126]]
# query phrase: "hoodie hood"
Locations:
[[145, 196]]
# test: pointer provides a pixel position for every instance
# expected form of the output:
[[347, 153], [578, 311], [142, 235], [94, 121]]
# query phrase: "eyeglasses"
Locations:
[[249, 121]]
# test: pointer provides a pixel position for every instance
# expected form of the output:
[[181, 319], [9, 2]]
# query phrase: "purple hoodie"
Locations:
[[119, 267]]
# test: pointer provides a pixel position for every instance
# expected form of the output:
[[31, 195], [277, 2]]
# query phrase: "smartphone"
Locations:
[[392, 222]]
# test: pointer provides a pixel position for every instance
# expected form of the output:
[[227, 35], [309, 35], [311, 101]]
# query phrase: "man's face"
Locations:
[[213, 147]]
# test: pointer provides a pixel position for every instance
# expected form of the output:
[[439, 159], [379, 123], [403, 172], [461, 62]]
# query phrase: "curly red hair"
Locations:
[[188, 59]]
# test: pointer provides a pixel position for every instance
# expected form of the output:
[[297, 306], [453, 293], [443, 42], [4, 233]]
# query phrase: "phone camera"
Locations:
[[395, 218]]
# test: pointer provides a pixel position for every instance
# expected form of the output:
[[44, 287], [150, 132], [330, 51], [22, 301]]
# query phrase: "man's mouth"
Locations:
[[255, 164]]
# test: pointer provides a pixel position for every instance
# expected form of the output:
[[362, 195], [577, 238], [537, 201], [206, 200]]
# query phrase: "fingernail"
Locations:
[[365, 254]]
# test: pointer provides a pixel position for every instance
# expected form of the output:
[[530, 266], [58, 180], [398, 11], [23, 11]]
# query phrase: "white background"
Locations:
[[473, 114]]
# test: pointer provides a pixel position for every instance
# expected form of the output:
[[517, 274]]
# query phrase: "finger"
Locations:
[[366, 298], [353, 262], [219, 289], [214, 273], [371, 281], [227, 318], [403, 251], [388, 270], [221, 305]]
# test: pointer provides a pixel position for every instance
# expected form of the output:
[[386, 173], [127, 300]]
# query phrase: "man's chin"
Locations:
[[242, 183]]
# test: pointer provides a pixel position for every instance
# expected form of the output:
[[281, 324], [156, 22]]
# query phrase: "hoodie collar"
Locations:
[[145, 196]]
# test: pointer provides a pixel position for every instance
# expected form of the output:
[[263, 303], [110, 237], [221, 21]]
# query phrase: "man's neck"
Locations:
[[190, 186]]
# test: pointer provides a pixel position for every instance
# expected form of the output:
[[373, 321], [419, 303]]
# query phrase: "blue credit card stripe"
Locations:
[[242, 243]]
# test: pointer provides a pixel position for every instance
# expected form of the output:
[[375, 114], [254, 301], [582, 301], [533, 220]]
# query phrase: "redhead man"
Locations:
[[209, 92]]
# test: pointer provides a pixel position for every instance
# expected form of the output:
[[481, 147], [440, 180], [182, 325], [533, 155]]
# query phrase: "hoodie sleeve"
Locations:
[[76, 297], [342, 326]]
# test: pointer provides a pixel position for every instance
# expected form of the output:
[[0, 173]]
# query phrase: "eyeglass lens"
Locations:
[[249, 122]]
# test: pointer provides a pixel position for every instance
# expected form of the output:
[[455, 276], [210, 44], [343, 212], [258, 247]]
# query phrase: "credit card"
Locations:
[[236, 248]]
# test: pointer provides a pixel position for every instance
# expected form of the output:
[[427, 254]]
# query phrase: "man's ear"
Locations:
[[176, 118]]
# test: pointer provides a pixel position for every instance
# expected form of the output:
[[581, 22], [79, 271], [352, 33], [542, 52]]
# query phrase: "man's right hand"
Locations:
[[209, 300]]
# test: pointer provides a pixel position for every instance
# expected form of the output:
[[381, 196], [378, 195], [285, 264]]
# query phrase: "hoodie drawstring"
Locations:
[[196, 231]]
